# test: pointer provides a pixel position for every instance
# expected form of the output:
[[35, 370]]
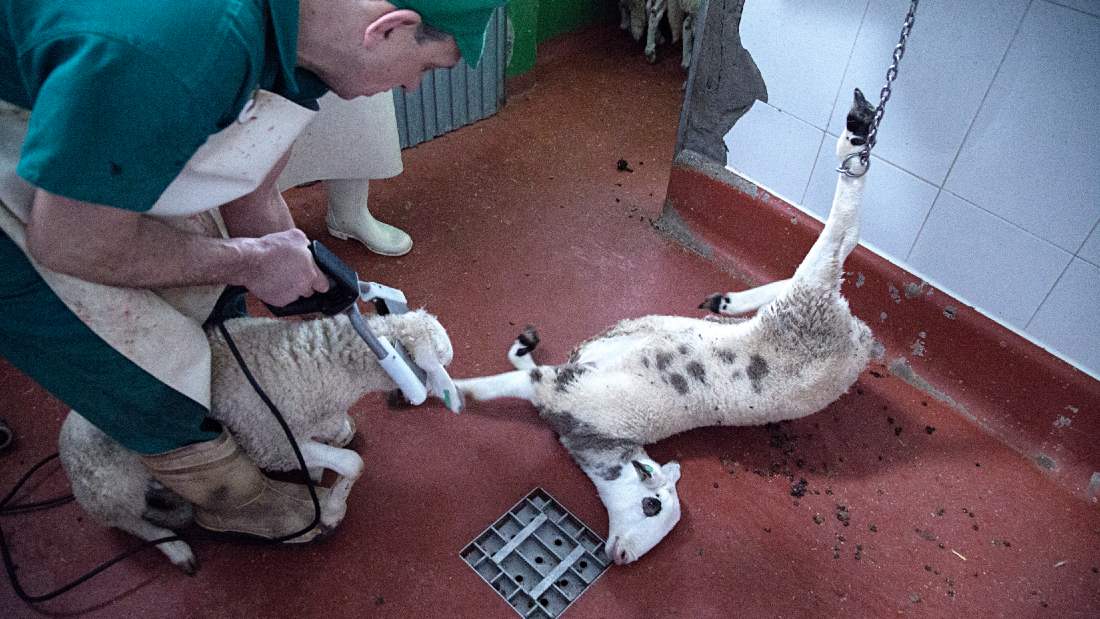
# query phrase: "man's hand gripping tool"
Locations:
[[345, 289]]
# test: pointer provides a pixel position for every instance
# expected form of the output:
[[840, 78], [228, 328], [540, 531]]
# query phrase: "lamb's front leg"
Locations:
[[733, 303], [348, 467]]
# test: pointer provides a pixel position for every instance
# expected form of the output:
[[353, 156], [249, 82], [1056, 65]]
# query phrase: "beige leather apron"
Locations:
[[354, 139], [143, 324]]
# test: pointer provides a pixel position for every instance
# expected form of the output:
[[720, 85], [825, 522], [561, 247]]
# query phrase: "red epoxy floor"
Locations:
[[523, 218]]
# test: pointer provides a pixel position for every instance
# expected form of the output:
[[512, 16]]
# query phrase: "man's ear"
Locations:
[[380, 29]]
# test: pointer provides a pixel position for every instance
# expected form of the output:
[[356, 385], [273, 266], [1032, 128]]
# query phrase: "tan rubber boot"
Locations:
[[349, 217], [230, 493]]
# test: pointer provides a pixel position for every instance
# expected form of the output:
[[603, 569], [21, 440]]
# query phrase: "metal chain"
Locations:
[[884, 96]]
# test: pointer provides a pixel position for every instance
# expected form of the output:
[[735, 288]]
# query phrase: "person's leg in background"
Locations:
[[346, 145], [349, 217]]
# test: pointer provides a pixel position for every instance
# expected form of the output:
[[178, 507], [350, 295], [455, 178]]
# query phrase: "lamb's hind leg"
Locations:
[[841, 233], [348, 467], [824, 261]]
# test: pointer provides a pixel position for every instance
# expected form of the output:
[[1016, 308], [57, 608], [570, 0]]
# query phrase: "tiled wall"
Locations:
[[986, 176]]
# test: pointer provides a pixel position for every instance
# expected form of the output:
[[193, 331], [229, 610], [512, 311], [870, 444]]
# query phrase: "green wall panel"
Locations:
[[561, 16]]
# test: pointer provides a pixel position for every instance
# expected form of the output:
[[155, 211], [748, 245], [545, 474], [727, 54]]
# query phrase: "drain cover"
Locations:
[[538, 556]]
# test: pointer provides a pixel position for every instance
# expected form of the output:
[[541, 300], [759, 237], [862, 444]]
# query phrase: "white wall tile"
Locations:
[[1089, 6], [774, 149], [1069, 321], [895, 203], [801, 49], [1032, 154], [952, 55], [1091, 249], [986, 261]]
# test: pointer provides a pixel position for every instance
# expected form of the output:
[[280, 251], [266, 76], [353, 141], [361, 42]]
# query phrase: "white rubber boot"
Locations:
[[349, 217]]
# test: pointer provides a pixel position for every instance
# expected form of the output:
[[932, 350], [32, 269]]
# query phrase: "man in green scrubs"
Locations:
[[121, 94]]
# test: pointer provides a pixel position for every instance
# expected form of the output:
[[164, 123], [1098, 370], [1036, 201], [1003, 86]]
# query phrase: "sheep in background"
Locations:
[[632, 15], [681, 18], [654, 11], [313, 371], [639, 15], [649, 378]]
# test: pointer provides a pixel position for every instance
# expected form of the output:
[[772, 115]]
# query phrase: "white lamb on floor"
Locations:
[[650, 378], [313, 371]]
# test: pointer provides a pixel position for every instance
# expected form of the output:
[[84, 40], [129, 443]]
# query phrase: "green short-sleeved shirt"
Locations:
[[123, 92]]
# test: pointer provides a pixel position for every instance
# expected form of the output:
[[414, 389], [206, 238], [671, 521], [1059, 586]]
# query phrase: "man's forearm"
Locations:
[[111, 246], [122, 248]]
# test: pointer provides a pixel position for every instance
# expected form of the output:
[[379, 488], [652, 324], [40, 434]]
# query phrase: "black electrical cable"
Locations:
[[23, 508], [286, 429]]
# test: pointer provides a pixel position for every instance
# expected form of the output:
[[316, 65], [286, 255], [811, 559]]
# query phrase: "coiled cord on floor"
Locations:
[[24, 508]]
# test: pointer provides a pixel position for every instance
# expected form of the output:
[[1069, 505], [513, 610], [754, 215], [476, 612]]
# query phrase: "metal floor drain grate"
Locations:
[[538, 557]]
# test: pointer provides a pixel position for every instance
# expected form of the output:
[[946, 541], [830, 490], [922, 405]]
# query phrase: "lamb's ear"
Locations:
[[651, 475]]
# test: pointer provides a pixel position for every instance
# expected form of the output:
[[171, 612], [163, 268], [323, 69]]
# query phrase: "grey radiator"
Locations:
[[451, 98]]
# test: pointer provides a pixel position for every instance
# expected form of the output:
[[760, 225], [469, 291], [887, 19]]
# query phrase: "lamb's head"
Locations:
[[857, 127], [642, 507], [422, 335]]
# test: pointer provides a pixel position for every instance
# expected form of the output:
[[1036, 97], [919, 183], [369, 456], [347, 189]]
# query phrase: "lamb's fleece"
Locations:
[[313, 370]]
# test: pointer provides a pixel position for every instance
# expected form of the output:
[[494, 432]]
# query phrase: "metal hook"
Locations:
[[845, 165]]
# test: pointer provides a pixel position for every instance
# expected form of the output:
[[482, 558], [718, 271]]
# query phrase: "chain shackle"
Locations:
[[884, 96]]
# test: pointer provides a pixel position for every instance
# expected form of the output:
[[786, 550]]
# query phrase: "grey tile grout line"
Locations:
[[1001, 218], [1038, 307], [938, 186], [1095, 227], [836, 98], [969, 128], [969, 202], [1073, 8]]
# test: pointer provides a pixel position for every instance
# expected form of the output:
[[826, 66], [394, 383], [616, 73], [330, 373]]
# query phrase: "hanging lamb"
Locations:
[[649, 378]]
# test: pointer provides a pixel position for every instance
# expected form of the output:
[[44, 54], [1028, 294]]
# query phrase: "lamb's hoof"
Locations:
[[189, 567], [528, 340], [181, 556], [859, 119], [651, 57], [331, 518], [713, 303]]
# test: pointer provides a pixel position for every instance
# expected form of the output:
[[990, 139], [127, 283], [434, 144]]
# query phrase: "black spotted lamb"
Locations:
[[314, 371], [650, 378]]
